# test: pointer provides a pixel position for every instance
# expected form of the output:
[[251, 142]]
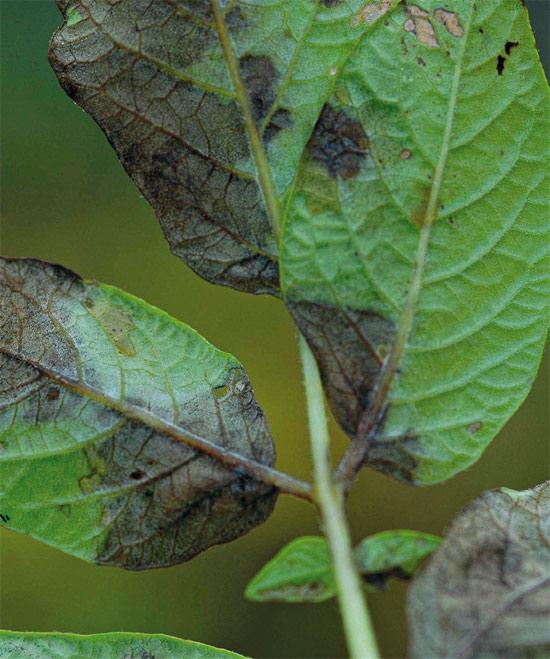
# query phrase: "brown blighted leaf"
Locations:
[[155, 77], [415, 243], [108, 410], [486, 590]]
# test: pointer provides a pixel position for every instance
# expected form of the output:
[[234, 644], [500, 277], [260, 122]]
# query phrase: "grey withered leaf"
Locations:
[[486, 591], [108, 411], [167, 88]]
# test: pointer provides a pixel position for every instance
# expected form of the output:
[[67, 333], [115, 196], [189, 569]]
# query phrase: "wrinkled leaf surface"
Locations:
[[101, 396], [486, 590]]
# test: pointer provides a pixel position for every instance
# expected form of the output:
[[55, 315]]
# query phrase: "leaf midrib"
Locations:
[[372, 416]]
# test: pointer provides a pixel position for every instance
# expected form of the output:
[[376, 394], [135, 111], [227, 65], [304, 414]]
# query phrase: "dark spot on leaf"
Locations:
[[481, 30], [137, 475], [405, 154], [53, 393], [65, 509], [500, 64], [236, 20], [418, 214], [338, 142], [331, 3], [421, 61], [380, 579], [474, 427], [281, 119], [509, 45], [258, 75]]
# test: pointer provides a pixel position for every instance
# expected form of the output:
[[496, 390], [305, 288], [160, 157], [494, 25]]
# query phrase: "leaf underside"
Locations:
[[386, 126], [38, 645], [99, 395], [486, 590]]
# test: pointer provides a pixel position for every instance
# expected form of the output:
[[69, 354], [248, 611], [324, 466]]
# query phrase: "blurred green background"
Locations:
[[66, 199]]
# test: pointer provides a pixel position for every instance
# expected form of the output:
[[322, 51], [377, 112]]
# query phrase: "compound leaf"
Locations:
[[104, 400], [40, 645], [300, 572], [486, 590]]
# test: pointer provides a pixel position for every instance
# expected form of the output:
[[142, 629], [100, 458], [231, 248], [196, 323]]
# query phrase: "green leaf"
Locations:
[[485, 591], [109, 410], [168, 93], [300, 572], [393, 554], [42, 645], [415, 241]]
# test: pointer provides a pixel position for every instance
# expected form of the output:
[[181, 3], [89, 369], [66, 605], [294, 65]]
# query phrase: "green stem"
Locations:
[[357, 624], [256, 146]]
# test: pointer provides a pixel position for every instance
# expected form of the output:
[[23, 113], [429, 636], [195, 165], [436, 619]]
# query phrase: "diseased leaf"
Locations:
[[405, 160], [102, 399], [300, 572], [41, 645], [393, 554], [486, 590], [155, 77], [415, 241]]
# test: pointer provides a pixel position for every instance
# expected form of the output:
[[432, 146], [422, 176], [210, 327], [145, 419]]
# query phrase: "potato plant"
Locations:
[[380, 167]]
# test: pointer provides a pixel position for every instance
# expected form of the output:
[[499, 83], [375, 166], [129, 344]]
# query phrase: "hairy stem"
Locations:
[[357, 624]]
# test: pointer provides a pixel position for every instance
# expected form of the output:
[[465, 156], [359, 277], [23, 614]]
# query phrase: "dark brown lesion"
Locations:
[[338, 142], [180, 143], [260, 78], [348, 346]]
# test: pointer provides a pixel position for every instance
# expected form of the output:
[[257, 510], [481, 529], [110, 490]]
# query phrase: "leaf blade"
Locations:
[[43, 645], [167, 95], [300, 572], [393, 553], [108, 399], [420, 324], [485, 591]]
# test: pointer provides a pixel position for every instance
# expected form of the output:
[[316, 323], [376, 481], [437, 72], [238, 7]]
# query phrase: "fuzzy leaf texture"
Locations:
[[40, 645], [406, 146], [486, 590], [101, 399]]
